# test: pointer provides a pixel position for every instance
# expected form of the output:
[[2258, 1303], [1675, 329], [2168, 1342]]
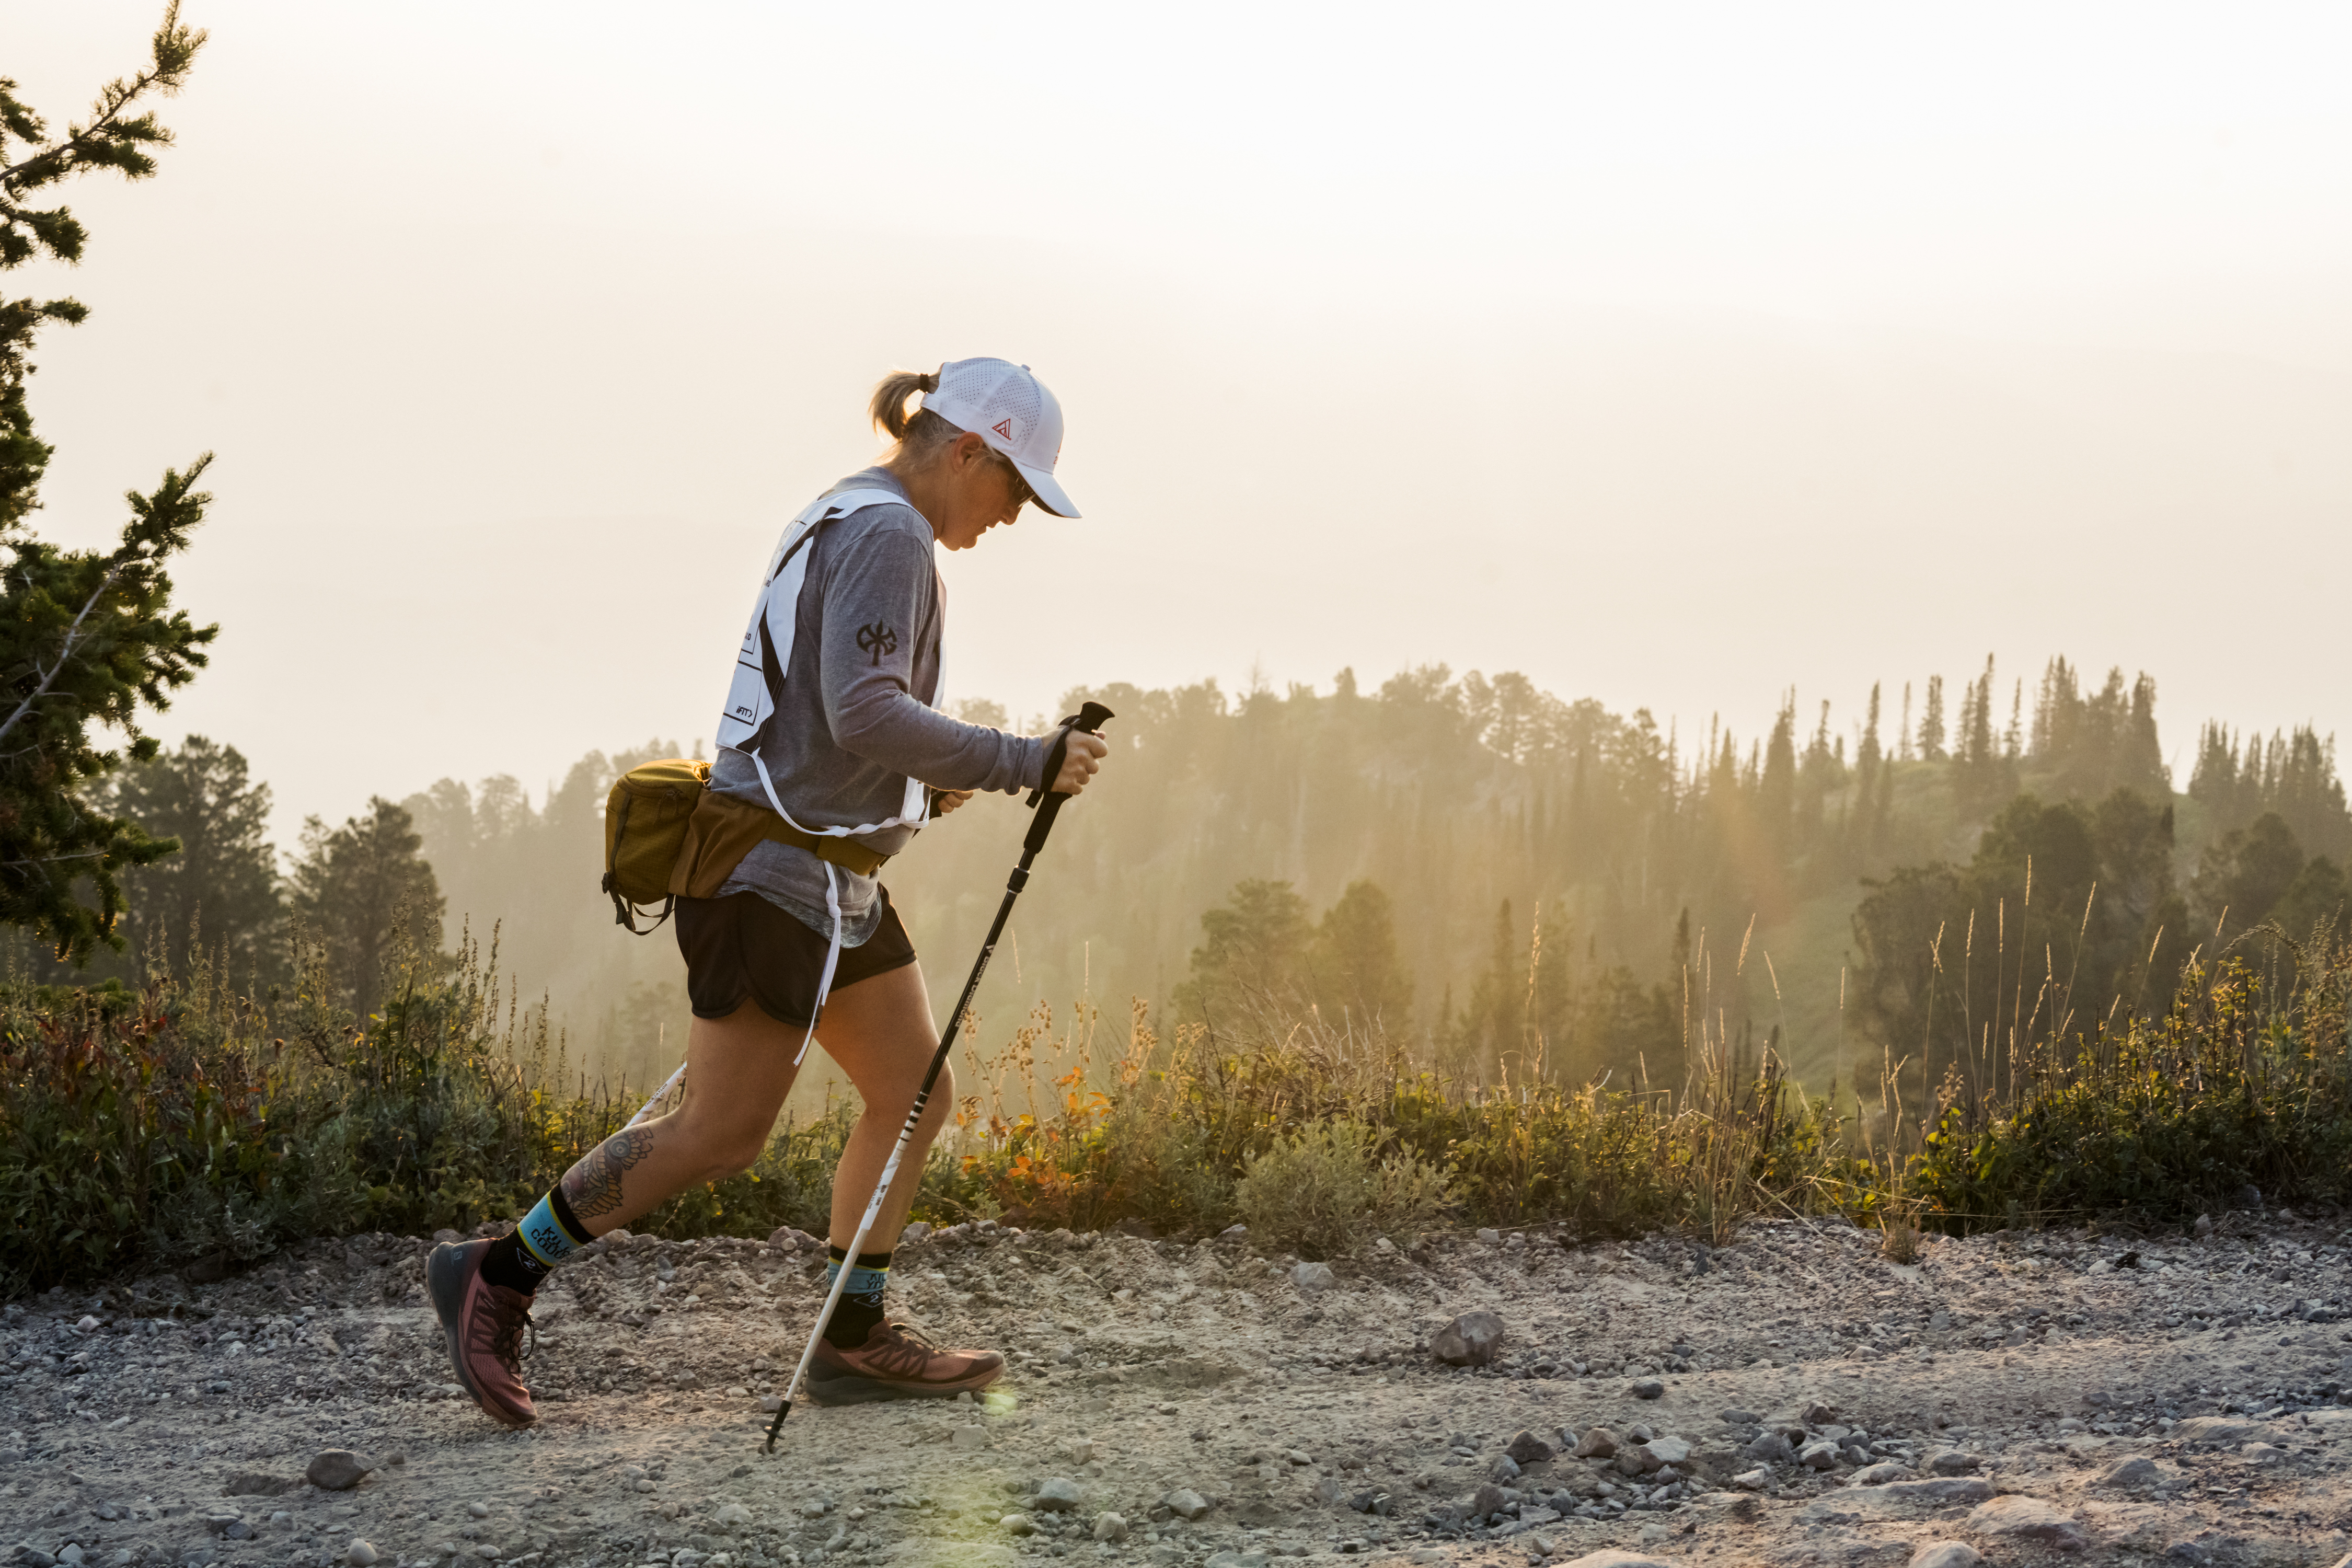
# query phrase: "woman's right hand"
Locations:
[[1080, 759]]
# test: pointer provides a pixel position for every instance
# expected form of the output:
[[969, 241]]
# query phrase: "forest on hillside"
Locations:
[[1520, 884]]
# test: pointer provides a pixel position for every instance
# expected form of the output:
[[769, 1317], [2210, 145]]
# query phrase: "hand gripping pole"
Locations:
[[1047, 807]]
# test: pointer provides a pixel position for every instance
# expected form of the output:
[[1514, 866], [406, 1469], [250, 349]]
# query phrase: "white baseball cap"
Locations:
[[1011, 410]]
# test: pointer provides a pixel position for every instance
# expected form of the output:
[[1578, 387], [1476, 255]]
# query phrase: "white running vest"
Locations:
[[761, 667]]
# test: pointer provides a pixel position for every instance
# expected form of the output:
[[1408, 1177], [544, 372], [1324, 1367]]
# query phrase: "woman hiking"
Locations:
[[833, 744]]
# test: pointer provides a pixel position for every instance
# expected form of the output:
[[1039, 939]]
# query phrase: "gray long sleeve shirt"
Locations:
[[848, 730]]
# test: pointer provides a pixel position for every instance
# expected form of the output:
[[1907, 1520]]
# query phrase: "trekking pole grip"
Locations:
[[1091, 718]]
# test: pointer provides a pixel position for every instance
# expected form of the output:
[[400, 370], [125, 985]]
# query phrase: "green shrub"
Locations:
[[1323, 1190], [2244, 1082]]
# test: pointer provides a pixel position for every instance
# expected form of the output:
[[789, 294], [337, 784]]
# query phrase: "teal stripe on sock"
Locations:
[[865, 1284], [545, 1235]]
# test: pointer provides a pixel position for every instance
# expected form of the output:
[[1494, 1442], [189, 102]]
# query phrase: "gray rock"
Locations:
[[1879, 1474], [1059, 1495], [2020, 1517], [1754, 1480], [1185, 1503], [1952, 1462], [1488, 1234], [1018, 1523], [1946, 1554], [1470, 1340], [34, 1557], [2137, 1471], [336, 1469], [1636, 1460], [1229, 1558], [1669, 1450], [1504, 1469], [1940, 1489], [1487, 1499], [1599, 1443], [361, 1554], [1234, 1233], [917, 1230], [1819, 1455], [1110, 1526], [1313, 1277], [1647, 1388], [1816, 1414], [1739, 1418], [1528, 1448], [1769, 1448], [2216, 1430]]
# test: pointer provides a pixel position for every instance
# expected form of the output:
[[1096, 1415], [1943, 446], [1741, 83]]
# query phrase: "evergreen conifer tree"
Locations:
[[222, 888], [87, 638], [361, 893]]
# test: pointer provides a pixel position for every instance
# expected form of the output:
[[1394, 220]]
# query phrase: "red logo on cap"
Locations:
[[1003, 428]]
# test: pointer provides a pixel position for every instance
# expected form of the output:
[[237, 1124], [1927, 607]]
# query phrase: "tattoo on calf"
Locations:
[[593, 1185]]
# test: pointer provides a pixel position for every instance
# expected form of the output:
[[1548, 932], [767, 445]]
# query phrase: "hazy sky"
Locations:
[[1671, 354]]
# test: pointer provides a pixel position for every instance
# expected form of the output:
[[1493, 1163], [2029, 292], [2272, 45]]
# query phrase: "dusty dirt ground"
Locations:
[[2054, 1396]]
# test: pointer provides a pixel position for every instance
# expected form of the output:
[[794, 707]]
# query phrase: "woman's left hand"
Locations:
[[946, 800]]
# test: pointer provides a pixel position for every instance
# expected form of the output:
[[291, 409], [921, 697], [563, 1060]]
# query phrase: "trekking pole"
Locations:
[[1047, 806]]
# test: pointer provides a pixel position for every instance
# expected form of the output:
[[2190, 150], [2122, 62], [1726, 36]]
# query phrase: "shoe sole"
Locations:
[[874, 1390], [445, 1275]]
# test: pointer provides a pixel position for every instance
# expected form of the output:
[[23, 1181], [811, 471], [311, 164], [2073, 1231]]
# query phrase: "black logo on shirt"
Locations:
[[876, 639]]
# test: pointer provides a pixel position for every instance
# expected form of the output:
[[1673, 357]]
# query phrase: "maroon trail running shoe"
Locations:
[[896, 1362], [484, 1324]]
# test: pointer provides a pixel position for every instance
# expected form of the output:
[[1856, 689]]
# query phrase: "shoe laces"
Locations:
[[513, 1336], [910, 1334]]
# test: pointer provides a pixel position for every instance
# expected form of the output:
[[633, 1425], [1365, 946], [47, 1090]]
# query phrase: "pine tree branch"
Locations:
[[112, 139], [65, 656]]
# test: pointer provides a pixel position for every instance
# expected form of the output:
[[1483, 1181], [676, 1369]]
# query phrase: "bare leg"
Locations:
[[881, 1033], [739, 1070]]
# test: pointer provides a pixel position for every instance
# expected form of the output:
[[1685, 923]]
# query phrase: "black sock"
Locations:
[[529, 1252], [858, 1311]]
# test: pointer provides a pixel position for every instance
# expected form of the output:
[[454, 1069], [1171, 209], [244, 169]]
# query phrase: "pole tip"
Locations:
[[777, 1424]]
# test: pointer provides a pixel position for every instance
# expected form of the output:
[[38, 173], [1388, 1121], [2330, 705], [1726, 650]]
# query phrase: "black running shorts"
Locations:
[[743, 946]]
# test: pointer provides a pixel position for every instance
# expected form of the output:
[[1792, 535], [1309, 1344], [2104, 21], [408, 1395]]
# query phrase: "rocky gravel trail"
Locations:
[[1793, 1398]]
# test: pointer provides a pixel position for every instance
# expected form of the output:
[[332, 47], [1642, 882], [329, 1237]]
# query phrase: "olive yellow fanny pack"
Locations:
[[667, 836]]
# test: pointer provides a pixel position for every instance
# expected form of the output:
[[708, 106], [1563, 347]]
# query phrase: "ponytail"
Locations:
[[918, 435], [889, 409]]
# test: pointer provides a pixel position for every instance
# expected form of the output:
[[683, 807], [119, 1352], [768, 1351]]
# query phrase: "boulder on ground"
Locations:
[[1946, 1554], [1526, 1448], [2021, 1518], [337, 1469], [1470, 1340]]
